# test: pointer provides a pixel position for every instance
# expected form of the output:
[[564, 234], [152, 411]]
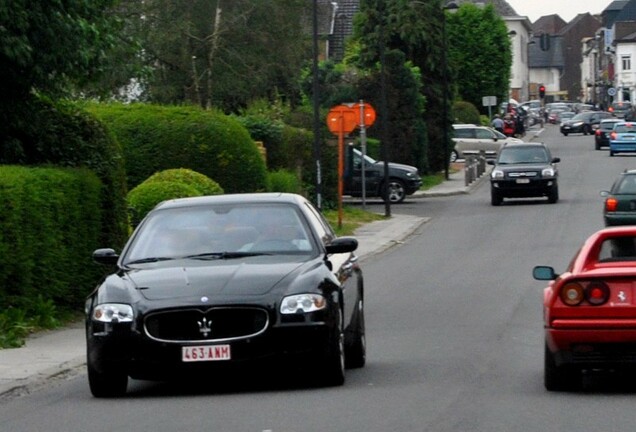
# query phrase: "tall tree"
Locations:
[[222, 53], [48, 46], [480, 55], [414, 27]]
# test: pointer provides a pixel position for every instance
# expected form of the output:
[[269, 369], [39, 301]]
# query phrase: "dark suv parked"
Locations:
[[403, 179], [585, 122], [524, 170]]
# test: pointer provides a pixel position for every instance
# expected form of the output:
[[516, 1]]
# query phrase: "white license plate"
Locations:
[[205, 353], [523, 181]]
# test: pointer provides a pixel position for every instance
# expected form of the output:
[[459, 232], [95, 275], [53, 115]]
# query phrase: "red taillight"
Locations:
[[611, 204], [613, 135], [598, 132], [595, 293]]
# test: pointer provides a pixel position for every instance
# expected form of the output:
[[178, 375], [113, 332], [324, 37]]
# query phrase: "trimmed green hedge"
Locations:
[[51, 224], [165, 185], [60, 133], [155, 138]]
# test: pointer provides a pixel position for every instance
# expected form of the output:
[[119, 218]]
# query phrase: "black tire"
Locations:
[[334, 365], [396, 191], [454, 156], [597, 146], [565, 134], [356, 352], [557, 378], [495, 198], [553, 196], [109, 384], [611, 153]]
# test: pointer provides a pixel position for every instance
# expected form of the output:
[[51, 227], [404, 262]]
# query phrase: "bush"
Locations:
[[466, 112], [283, 181], [200, 182], [51, 224], [60, 133], [147, 195], [155, 138]]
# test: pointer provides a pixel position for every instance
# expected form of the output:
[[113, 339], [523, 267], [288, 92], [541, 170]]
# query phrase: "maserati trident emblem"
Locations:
[[205, 327]]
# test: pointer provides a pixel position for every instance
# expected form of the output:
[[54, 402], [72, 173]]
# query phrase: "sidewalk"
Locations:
[[58, 354]]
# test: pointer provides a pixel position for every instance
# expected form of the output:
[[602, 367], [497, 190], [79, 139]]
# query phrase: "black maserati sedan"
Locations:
[[216, 284]]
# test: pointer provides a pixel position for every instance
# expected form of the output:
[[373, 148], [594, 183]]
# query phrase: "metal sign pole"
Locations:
[[363, 144]]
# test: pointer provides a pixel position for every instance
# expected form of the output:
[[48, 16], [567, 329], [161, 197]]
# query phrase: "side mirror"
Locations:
[[105, 256], [556, 160], [544, 273], [342, 245]]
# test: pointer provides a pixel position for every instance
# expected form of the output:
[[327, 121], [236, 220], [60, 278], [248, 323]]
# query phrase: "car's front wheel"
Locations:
[[356, 353], [107, 384], [553, 195], [334, 367], [565, 134], [557, 378], [495, 198], [396, 191]]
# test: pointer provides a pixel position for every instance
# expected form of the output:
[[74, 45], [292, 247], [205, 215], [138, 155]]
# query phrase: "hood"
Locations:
[[219, 278], [398, 166]]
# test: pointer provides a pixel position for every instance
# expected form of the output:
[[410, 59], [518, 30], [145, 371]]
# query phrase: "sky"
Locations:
[[566, 9]]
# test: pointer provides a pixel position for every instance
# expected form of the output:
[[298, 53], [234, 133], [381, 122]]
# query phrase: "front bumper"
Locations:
[[128, 350], [413, 186], [513, 189]]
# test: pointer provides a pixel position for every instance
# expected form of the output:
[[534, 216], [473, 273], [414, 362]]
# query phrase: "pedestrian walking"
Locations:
[[498, 123]]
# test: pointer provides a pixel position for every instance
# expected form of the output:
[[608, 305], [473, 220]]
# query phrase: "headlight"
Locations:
[[577, 123], [548, 172], [410, 174], [497, 174], [113, 313], [302, 303]]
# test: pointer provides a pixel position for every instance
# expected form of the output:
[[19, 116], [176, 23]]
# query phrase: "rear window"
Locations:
[[621, 105], [626, 185], [618, 249], [607, 126], [624, 128]]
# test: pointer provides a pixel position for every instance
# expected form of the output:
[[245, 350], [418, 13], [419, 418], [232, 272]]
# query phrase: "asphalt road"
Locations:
[[454, 335]]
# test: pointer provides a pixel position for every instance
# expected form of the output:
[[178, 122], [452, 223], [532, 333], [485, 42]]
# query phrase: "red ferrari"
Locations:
[[590, 309]]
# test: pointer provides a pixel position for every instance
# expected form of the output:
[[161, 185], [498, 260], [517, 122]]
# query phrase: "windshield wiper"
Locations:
[[224, 255], [149, 260]]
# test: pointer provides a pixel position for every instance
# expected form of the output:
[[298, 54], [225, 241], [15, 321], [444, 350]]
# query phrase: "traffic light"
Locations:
[[541, 91]]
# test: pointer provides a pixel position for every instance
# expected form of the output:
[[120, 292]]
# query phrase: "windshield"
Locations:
[[357, 158], [220, 232], [523, 155]]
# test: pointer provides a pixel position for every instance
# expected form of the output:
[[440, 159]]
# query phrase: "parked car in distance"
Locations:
[[602, 134], [403, 179], [553, 115], [473, 139], [622, 138], [622, 110], [522, 171], [589, 310], [585, 122], [619, 207], [208, 284]]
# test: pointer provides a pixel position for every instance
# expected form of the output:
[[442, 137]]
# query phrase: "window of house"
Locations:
[[626, 62]]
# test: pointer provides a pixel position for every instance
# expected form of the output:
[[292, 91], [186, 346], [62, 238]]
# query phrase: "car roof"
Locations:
[[524, 144], [244, 198], [612, 120]]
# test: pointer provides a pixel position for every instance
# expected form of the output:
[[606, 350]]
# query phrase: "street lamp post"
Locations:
[[448, 6]]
